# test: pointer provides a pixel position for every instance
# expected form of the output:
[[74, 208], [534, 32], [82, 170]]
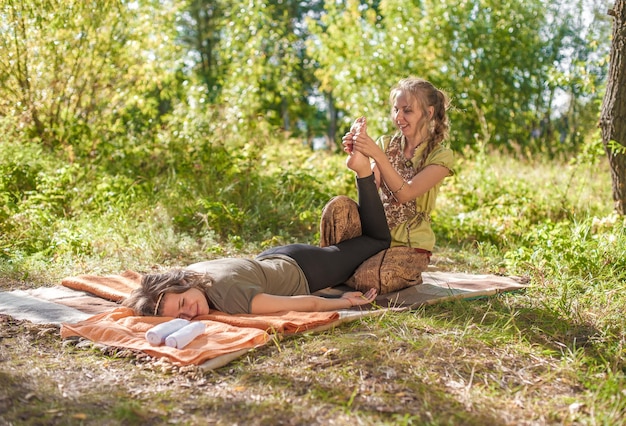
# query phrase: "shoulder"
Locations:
[[442, 155]]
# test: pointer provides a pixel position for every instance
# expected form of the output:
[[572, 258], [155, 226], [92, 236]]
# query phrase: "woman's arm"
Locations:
[[420, 184], [264, 303], [403, 191]]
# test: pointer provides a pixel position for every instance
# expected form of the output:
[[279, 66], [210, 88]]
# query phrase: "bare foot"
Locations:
[[359, 163], [360, 124]]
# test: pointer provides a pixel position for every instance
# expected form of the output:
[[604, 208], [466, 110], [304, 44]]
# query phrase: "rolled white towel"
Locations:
[[157, 334], [185, 335]]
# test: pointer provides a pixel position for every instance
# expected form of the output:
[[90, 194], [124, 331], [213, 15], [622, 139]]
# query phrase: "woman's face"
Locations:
[[186, 305], [408, 116]]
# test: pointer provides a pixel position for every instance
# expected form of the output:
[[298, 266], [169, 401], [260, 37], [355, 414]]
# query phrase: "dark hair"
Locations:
[[146, 299], [426, 95]]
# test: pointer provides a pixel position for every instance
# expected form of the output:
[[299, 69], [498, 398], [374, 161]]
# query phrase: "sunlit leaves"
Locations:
[[265, 65], [69, 67], [363, 49], [78, 73], [495, 59]]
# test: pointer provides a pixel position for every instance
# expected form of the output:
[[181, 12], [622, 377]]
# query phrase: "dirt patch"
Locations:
[[394, 370]]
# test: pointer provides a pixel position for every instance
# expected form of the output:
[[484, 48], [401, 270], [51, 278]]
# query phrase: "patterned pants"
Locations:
[[389, 270]]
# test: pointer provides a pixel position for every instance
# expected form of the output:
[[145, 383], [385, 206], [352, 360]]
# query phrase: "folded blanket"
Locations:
[[110, 287], [80, 300]]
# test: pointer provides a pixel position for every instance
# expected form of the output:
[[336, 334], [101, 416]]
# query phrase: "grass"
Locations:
[[491, 361], [552, 354]]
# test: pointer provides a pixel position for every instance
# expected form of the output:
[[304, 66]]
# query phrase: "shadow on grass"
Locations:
[[24, 402], [537, 325], [390, 401]]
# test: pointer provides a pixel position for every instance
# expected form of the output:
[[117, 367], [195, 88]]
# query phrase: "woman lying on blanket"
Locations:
[[279, 279]]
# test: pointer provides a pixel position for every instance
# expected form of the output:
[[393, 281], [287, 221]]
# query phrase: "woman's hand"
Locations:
[[346, 141], [359, 126], [357, 298], [364, 144]]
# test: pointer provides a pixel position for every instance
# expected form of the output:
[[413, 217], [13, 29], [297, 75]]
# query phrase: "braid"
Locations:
[[440, 118], [431, 144]]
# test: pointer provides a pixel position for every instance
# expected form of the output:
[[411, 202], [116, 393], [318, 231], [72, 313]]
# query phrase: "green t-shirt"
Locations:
[[237, 281], [415, 232]]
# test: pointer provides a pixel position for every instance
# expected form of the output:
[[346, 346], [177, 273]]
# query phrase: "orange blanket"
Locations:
[[110, 287], [288, 322], [121, 328], [224, 333]]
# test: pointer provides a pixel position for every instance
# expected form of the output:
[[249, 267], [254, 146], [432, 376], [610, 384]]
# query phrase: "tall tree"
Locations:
[[200, 27], [495, 66], [613, 115], [578, 46], [72, 71], [266, 65]]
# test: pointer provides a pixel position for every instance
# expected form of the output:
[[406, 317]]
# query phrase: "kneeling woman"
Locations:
[[279, 279]]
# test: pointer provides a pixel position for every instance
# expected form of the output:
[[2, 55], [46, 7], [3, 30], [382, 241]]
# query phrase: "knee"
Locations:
[[341, 203]]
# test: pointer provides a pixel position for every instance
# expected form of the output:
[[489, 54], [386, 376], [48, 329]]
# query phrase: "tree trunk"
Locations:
[[613, 115], [332, 123]]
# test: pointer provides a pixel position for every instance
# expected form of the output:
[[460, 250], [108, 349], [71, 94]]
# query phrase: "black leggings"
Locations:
[[333, 265]]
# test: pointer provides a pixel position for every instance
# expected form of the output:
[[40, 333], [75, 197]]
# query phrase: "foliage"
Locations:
[[264, 63], [494, 59], [120, 149], [503, 36], [487, 204], [84, 77], [103, 73], [364, 48]]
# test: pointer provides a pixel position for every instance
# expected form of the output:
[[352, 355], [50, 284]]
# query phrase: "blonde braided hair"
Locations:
[[426, 95]]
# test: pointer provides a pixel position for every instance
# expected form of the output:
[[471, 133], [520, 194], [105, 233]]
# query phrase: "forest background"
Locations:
[[148, 134]]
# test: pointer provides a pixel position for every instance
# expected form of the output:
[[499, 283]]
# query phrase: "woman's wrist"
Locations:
[[400, 188], [379, 156]]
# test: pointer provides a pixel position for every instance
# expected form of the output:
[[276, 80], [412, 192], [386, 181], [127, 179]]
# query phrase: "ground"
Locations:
[[456, 363]]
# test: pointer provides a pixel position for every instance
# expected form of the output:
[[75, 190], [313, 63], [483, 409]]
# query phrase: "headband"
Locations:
[[158, 302]]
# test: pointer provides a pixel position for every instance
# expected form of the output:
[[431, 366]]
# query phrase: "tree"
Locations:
[[73, 72], [265, 73], [200, 26], [497, 57], [613, 114], [362, 48], [581, 32]]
